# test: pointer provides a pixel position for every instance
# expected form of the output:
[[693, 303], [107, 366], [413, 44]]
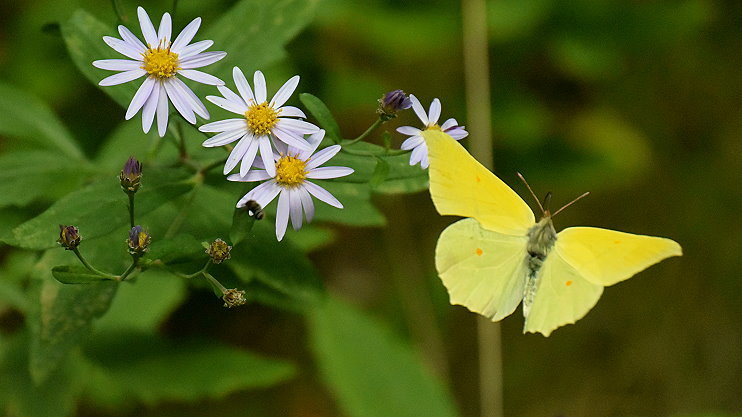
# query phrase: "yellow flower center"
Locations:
[[261, 118], [160, 62], [290, 171], [433, 127]]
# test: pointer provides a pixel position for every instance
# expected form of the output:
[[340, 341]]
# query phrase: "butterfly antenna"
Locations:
[[570, 203], [532, 193]]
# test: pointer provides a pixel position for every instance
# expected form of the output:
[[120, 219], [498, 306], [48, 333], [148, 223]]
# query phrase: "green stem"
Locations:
[[371, 153], [118, 11], [130, 269], [131, 209], [216, 284], [90, 267], [368, 131]]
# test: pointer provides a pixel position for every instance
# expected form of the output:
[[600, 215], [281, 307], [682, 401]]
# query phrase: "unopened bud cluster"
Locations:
[[131, 176], [69, 237], [233, 298], [138, 241], [219, 251], [391, 103]]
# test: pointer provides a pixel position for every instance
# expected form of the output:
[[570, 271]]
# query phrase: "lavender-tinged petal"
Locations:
[[284, 93], [202, 60], [233, 97], [417, 154], [179, 99], [224, 138], [150, 106], [249, 157], [295, 208], [457, 133], [419, 110], [253, 175], [200, 77], [408, 130], [266, 154], [314, 140], [261, 92], [123, 48], [449, 124], [117, 64], [412, 142], [323, 156], [132, 40], [186, 36], [424, 163], [322, 194], [306, 203], [141, 97], [227, 105], [163, 110], [237, 153], [223, 125], [195, 49], [291, 111], [148, 30], [282, 215], [166, 29], [324, 173], [263, 194], [243, 87], [434, 113], [291, 139], [122, 77], [296, 125]]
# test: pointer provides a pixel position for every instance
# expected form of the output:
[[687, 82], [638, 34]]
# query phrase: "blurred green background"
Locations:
[[637, 102]]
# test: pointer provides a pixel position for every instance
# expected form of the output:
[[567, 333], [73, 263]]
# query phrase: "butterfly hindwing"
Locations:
[[606, 257], [461, 186], [483, 270]]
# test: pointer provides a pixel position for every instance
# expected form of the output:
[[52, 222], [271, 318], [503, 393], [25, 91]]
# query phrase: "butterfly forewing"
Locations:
[[461, 186], [483, 270]]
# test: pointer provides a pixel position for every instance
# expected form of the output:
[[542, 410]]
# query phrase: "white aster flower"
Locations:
[[261, 122], [430, 120], [291, 184], [162, 61]]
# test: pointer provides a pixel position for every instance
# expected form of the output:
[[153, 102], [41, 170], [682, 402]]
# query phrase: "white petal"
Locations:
[[263, 194], [412, 142], [117, 64], [424, 161], [291, 139], [295, 208], [266, 154], [224, 138], [306, 203], [123, 48], [260, 90], [227, 105], [243, 87], [141, 96], [457, 132], [196, 104], [148, 30], [322, 194], [163, 110], [253, 175], [417, 154], [282, 215], [122, 77], [449, 124], [201, 60], [201, 77], [419, 110], [195, 49], [322, 156], [285, 92], [224, 125], [329, 172], [296, 125], [186, 36], [249, 157], [291, 111], [166, 29], [408, 130], [180, 102], [314, 140], [233, 97], [150, 106], [435, 111], [237, 153], [132, 40]]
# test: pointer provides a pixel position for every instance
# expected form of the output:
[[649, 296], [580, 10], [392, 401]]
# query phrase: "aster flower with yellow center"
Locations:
[[163, 63], [261, 123], [294, 168], [430, 120]]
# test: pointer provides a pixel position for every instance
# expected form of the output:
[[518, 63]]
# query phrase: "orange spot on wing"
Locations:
[[478, 179], [616, 242], [568, 283], [479, 251]]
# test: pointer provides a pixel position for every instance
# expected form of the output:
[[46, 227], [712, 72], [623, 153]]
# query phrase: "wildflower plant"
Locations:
[[154, 215]]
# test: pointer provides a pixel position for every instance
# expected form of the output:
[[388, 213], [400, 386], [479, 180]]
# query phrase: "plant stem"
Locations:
[[90, 267], [130, 269], [216, 284], [131, 209], [386, 152], [368, 131]]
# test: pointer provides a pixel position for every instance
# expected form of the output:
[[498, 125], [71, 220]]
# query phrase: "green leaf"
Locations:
[[356, 199], [254, 33], [242, 224], [76, 274], [381, 171], [324, 117], [83, 35], [98, 209], [182, 248], [362, 362], [152, 370], [24, 176], [63, 318], [23, 115]]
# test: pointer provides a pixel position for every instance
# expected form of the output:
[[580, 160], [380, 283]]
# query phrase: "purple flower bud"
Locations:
[[69, 237], [138, 241], [391, 103], [131, 175]]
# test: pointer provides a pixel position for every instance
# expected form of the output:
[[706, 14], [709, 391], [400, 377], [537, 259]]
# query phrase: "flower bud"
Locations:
[[138, 241], [131, 175], [391, 103], [234, 298], [219, 251], [69, 237]]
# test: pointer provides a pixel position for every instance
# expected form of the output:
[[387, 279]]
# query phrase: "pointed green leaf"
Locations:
[[381, 171], [362, 362], [242, 224], [25, 116], [324, 117], [76, 274]]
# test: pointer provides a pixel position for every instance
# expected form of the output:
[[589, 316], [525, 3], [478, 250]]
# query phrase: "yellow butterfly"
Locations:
[[500, 255]]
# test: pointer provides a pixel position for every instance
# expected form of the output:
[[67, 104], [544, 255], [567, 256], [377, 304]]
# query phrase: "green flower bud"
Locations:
[[219, 251], [234, 298], [69, 237]]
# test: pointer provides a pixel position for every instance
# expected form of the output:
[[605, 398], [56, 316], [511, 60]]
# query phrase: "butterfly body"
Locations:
[[500, 256]]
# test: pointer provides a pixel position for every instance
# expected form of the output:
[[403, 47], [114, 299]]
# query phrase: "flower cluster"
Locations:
[[285, 143]]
